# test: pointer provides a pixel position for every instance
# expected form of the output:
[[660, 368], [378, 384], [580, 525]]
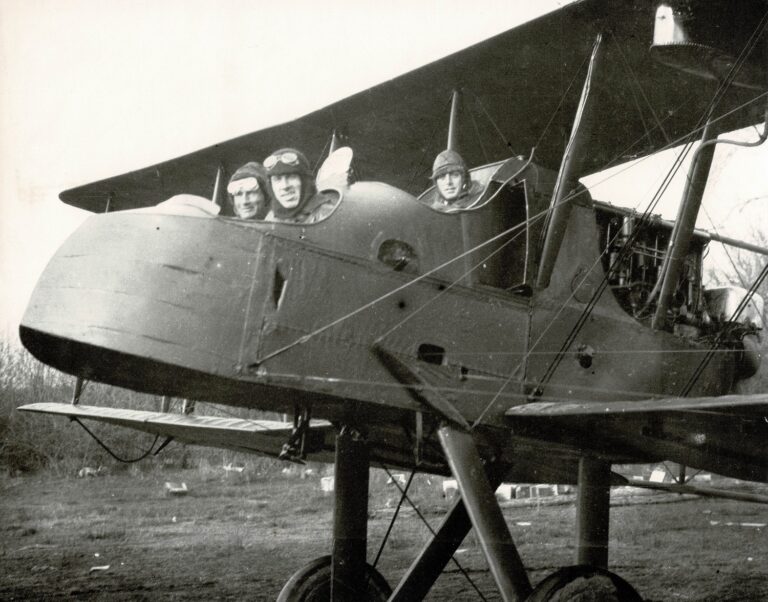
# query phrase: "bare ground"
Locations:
[[242, 537]]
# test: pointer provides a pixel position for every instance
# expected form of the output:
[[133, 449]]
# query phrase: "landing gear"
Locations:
[[295, 448], [312, 583], [344, 576], [590, 579], [484, 513], [593, 507]]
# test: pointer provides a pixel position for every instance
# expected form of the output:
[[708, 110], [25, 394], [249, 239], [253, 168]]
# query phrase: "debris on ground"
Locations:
[[176, 488]]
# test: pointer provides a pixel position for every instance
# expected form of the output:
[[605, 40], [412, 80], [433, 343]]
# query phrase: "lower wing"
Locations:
[[265, 437], [726, 435]]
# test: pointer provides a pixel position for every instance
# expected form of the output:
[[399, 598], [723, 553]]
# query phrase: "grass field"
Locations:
[[241, 537]]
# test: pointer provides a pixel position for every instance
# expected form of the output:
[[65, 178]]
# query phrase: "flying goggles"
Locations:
[[242, 186], [290, 158]]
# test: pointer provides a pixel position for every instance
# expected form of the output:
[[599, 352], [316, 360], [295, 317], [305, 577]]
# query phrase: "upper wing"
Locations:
[[726, 434], [520, 89], [264, 437]]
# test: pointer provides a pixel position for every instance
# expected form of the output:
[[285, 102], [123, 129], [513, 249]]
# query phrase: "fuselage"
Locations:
[[271, 316]]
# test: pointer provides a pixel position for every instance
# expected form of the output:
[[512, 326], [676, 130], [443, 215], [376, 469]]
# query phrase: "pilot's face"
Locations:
[[248, 203], [450, 184], [287, 189]]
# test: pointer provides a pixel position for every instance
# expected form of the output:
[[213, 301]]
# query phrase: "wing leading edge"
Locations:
[[723, 434]]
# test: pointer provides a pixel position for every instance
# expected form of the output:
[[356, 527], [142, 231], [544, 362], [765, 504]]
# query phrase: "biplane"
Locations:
[[537, 335]]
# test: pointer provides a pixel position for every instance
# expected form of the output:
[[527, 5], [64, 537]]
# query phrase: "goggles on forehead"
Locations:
[[241, 186], [289, 158]]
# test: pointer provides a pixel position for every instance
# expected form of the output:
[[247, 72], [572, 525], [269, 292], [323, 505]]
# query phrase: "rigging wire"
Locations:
[[323, 155], [496, 127], [745, 301], [642, 117], [477, 392], [728, 254], [677, 480], [113, 454], [403, 495], [562, 99], [478, 136], [432, 531], [636, 80]]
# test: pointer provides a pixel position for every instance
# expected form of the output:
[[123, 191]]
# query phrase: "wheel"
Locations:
[[312, 583], [583, 583]]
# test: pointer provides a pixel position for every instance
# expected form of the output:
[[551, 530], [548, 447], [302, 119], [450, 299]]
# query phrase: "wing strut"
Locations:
[[79, 384], [453, 124], [218, 187], [685, 222], [560, 206]]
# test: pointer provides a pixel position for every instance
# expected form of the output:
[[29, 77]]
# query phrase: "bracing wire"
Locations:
[[403, 495], [725, 332], [728, 254], [462, 570], [113, 454], [479, 137], [479, 393], [628, 65]]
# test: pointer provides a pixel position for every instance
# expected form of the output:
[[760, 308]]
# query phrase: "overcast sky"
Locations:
[[90, 89]]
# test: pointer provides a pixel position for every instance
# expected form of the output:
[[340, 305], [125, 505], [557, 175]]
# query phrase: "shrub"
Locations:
[[30, 442]]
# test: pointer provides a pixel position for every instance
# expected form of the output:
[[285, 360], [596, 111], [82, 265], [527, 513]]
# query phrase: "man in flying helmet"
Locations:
[[451, 178], [248, 192], [292, 184]]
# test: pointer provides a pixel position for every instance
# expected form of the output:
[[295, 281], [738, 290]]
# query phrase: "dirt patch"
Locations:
[[238, 539]]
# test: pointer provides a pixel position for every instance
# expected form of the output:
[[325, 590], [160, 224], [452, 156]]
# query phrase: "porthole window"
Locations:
[[398, 255]]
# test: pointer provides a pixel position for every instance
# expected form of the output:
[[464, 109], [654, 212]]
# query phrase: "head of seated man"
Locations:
[[292, 184], [248, 191], [451, 178]]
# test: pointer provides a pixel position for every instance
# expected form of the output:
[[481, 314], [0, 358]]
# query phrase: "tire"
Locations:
[[582, 582], [312, 583]]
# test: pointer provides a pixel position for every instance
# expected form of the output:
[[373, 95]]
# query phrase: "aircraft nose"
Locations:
[[154, 294]]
